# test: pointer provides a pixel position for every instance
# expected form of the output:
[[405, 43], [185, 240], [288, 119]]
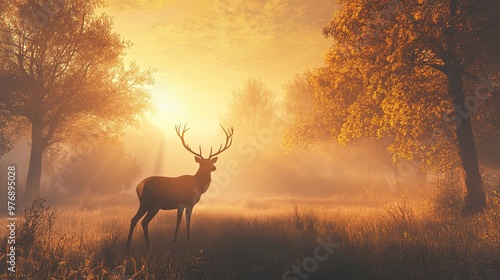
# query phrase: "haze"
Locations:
[[202, 52], [204, 49], [261, 139]]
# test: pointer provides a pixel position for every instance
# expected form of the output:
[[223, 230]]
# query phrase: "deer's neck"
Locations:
[[203, 179]]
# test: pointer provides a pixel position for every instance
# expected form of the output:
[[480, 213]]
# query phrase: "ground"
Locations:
[[283, 238]]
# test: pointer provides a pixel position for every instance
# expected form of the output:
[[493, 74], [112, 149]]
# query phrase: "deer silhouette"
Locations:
[[183, 192]]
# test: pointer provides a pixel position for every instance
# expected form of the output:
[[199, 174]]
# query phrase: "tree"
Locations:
[[319, 110], [309, 116], [412, 56], [252, 108], [69, 81]]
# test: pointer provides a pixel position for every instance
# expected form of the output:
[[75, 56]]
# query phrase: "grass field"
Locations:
[[263, 239]]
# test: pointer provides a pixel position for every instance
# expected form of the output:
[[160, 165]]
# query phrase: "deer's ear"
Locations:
[[214, 160], [197, 159]]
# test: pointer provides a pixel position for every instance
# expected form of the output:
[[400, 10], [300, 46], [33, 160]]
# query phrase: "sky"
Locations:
[[203, 50]]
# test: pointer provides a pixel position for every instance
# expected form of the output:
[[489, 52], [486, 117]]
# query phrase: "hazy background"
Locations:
[[205, 54], [204, 49]]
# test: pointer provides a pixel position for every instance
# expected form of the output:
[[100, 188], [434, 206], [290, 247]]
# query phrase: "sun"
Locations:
[[172, 106], [168, 108]]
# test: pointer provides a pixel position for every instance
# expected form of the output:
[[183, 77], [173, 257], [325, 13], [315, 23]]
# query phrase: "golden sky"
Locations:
[[205, 49]]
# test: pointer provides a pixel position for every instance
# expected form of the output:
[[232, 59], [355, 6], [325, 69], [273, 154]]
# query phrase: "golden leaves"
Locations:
[[417, 15]]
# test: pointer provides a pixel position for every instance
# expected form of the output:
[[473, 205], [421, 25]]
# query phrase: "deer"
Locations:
[[181, 193]]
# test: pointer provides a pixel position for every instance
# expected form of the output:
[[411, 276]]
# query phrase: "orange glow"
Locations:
[[203, 50]]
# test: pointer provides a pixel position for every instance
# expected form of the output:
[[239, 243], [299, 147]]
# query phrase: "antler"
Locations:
[[181, 135], [229, 140]]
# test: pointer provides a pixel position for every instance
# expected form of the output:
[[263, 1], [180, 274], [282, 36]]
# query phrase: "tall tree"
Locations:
[[73, 81], [321, 107], [309, 117], [406, 52], [253, 107]]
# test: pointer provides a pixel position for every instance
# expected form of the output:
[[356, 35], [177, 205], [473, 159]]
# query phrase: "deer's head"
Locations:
[[206, 164]]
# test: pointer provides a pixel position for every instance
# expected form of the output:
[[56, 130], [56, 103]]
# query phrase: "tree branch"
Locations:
[[438, 67]]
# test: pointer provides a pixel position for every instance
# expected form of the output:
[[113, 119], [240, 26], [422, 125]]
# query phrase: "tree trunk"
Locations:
[[35, 165], [475, 199]]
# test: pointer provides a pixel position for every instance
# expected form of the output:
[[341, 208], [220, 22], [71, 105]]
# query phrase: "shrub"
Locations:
[[35, 219], [448, 199]]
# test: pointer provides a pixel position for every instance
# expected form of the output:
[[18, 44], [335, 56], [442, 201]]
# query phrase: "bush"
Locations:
[[36, 218], [448, 199]]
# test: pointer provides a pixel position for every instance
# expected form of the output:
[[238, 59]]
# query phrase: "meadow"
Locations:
[[281, 238]]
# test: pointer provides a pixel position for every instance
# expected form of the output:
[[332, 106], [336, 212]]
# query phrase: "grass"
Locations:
[[400, 239]]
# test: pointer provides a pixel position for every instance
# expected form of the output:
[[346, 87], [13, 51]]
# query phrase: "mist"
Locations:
[[278, 139]]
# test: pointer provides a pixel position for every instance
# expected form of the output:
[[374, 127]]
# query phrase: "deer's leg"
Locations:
[[145, 222], [133, 222], [189, 210], [180, 210]]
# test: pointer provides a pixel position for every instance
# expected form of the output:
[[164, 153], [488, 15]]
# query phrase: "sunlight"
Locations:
[[309, 139], [172, 106], [167, 109]]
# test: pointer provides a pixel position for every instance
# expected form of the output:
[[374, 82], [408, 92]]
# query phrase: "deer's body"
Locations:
[[168, 193]]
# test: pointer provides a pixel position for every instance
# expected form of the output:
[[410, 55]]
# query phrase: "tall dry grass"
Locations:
[[399, 239]]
